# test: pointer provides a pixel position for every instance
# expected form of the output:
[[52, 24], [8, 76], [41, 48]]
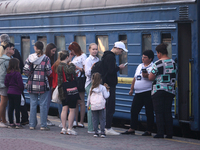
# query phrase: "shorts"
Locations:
[[3, 91], [70, 103]]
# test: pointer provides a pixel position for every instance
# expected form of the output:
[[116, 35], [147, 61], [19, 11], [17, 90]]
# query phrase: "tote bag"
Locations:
[[81, 82], [70, 88], [55, 98]]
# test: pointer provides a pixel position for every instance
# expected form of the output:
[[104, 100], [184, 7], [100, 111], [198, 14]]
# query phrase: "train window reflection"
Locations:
[[25, 47], [102, 42], [60, 43], [44, 40], [81, 40], [12, 39], [123, 58], [166, 38], [146, 42]]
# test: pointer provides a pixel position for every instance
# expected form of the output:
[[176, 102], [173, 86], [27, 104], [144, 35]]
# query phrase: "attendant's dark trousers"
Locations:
[[162, 102], [140, 100], [110, 107]]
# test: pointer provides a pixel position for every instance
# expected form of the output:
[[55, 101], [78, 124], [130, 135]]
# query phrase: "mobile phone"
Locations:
[[126, 64], [144, 70]]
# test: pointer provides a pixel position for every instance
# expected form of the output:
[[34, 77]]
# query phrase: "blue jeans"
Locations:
[[33, 109]]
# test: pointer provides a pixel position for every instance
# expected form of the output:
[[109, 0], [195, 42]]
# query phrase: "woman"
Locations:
[[69, 70], [79, 61], [37, 67], [54, 77], [50, 52], [89, 62], [142, 87], [164, 76], [6, 53]]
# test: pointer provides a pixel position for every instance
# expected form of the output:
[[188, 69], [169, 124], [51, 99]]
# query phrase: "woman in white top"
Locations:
[[89, 62], [142, 86], [79, 61]]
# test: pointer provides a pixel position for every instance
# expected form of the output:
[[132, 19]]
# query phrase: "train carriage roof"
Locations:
[[11, 7]]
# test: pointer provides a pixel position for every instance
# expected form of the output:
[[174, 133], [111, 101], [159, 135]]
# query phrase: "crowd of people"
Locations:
[[153, 84]]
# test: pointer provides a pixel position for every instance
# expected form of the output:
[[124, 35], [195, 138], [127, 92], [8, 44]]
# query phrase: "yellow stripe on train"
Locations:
[[124, 80]]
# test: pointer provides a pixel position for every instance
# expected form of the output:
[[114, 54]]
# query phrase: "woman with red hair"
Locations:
[[79, 62]]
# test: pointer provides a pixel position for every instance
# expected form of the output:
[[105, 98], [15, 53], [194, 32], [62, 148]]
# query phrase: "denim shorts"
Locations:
[[3, 91]]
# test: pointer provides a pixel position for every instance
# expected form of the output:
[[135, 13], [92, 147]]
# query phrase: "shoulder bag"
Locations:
[[70, 88]]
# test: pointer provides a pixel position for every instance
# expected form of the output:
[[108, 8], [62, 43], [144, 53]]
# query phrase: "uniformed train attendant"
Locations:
[[142, 87], [163, 91]]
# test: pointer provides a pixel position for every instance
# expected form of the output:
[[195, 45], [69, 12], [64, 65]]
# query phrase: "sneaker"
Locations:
[[63, 131], [71, 132], [80, 125], [60, 125], [111, 132], [90, 132], [24, 123], [44, 128], [32, 128], [19, 126], [74, 124], [96, 135], [158, 136], [3, 125], [103, 135], [11, 126], [49, 123]]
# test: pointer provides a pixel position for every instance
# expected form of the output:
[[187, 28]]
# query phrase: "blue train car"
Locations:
[[140, 24]]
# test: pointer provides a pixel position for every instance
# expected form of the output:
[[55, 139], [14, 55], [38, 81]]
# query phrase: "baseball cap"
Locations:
[[120, 45]]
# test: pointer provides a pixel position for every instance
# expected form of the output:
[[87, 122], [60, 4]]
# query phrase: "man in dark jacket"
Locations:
[[110, 77]]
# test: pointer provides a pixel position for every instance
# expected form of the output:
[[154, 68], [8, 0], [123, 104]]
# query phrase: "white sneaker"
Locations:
[[111, 132], [3, 125], [63, 131], [90, 132], [49, 123], [60, 125], [74, 124], [71, 132]]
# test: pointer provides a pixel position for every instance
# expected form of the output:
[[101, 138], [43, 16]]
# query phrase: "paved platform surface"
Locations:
[[25, 139]]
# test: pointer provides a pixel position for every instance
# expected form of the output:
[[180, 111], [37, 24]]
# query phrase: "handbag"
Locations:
[[81, 82], [55, 97], [70, 88]]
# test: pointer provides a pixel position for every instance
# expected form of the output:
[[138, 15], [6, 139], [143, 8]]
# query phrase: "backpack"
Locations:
[[98, 67], [97, 101]]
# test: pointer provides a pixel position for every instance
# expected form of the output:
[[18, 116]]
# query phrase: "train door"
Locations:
[[184, 71]]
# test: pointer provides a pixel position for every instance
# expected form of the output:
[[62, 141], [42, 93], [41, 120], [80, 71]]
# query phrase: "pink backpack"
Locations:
[[97, 101]]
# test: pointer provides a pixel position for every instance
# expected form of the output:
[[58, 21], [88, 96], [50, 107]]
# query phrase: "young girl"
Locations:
[[89, 62], [97, 96], [13, 81]]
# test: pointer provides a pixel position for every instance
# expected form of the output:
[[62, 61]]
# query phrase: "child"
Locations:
[[13, 81], [89, 62], [98, 94]]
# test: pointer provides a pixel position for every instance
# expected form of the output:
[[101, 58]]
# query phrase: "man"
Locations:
[[110, 77]]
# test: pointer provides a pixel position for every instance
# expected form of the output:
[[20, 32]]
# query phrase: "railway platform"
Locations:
[[25, 139]]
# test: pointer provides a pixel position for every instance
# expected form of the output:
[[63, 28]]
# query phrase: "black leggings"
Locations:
[[14, 103]]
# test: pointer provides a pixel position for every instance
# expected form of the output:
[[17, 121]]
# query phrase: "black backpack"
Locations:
[[98, 67]]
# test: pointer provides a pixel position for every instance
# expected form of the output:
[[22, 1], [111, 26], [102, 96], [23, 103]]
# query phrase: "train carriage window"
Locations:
[[60, 43], [12, 39], [25, 47], [166, 38], [81, 40], [102, 42], [146, 42], [44, 40], [123, 58]]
